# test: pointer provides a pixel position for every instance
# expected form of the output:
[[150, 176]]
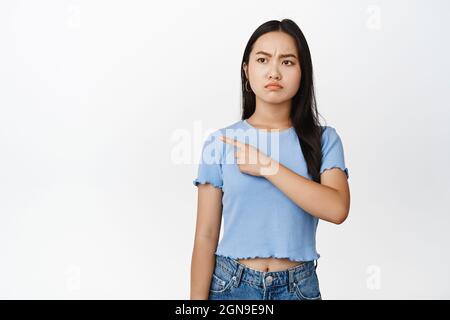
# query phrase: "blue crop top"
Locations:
[[259, 220]]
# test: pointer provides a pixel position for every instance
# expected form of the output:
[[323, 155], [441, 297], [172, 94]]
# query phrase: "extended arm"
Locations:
[[209, 217]]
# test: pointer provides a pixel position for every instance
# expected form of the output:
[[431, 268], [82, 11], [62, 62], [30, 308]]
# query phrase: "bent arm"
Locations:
[[328, 200]]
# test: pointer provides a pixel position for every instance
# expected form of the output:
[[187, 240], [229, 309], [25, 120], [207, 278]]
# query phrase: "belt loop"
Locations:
[[291, 280], [238, 275]]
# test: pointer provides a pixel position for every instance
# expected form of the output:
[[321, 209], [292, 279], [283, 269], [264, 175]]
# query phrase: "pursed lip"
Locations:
[[273, 84]]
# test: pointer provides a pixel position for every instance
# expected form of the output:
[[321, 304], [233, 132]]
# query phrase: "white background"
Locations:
[[104, 106]]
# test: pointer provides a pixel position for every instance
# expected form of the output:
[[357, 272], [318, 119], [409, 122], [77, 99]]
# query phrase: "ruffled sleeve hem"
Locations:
[[197, 181], [340, 167]]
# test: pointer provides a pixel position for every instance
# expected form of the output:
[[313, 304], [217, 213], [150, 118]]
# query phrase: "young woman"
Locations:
[[272, 189]]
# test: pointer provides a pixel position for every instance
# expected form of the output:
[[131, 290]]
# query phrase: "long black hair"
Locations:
[[304, 114]]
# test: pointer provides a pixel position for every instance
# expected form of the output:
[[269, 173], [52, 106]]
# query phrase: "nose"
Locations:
[[274, 74], [273, 71]]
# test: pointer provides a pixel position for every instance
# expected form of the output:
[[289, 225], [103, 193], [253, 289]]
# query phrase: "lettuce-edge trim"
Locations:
[[277, 256], [197, 181], [339, 167]]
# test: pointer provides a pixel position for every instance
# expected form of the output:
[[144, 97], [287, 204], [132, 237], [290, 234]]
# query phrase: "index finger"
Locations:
[[231, 141]]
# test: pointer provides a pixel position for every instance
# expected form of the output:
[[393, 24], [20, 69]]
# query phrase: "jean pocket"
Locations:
[[220, 283], [308, 288]]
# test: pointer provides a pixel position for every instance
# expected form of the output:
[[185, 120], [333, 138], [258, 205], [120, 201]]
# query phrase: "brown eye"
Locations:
[[260, 59], [291, 63]]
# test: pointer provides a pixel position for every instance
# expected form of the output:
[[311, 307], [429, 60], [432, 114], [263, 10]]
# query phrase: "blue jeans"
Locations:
[[232, 280]]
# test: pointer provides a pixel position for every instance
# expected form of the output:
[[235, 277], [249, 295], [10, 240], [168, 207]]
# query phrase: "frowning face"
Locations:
[[274, 60]]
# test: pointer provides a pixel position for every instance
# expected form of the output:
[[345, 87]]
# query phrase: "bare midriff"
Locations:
[[269, 264]]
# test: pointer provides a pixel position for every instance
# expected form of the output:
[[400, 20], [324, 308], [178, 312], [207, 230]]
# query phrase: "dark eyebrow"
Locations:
[[281, 55]]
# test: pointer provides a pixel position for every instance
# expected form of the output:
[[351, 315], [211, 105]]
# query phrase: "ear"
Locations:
[[245, 67]]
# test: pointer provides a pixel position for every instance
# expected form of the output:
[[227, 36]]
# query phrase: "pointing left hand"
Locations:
[[249, 159]]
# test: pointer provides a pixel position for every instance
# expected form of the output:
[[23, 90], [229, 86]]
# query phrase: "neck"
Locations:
[[271, 116]]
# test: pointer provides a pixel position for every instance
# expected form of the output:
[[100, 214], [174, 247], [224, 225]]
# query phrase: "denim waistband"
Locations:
[[241, 272]]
